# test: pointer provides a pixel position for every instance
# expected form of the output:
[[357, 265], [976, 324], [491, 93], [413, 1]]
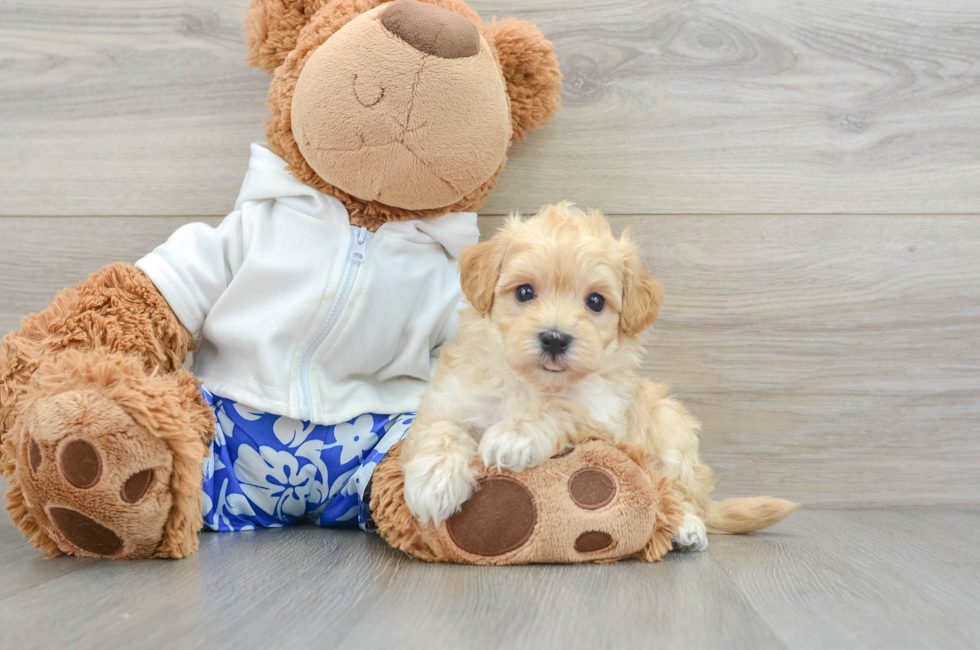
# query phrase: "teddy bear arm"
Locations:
[[104, 357], [117, 308]]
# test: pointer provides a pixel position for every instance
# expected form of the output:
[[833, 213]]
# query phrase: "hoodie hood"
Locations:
[[267, 178]]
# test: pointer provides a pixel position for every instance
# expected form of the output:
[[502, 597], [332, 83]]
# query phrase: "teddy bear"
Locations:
[[315, 311]]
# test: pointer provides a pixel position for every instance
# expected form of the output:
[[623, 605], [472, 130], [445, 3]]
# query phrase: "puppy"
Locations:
[[546, 355]]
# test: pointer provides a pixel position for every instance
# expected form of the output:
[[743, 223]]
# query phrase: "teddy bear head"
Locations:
[[400, 109]]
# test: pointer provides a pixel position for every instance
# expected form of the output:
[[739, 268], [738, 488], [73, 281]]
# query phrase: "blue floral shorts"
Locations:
[[267, 471]]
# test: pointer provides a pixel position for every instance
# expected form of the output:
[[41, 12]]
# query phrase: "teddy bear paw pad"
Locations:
[[497, 519], [591, 488], [84, 532], [136, 486], [593, 540], [80, 463]]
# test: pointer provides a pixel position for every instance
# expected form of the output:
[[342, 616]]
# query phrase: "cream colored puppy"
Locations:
[[547, 355]]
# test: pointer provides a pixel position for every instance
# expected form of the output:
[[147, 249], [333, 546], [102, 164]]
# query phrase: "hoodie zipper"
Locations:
[[356, 255]]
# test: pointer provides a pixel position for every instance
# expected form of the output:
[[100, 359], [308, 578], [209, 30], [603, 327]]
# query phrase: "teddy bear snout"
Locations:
[[406, 128], [430, 29]]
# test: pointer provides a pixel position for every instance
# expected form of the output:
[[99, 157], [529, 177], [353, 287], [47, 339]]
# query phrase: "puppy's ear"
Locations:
[[531, 72], [479, 270], [642, 295]]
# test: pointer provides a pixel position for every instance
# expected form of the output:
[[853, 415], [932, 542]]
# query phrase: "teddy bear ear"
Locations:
[[271, 28], [531, 72]]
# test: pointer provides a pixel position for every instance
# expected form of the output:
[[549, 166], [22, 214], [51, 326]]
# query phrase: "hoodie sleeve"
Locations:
[[194, 267]]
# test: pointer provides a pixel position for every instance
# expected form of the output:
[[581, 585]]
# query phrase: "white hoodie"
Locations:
[[301, 314]]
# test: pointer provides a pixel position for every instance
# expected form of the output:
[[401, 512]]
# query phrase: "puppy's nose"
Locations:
[[430, 29], [555, 343]]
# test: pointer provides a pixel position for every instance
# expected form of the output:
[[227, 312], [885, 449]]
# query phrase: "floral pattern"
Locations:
[[267, 471]]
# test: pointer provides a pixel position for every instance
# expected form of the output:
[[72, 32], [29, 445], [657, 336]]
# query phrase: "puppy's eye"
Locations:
[[524, 293], [595, 302]]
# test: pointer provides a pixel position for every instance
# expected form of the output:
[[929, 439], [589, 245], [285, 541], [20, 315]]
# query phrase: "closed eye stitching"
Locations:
[[358, 97]]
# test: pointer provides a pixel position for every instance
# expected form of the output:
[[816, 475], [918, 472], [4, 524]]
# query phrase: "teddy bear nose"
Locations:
[[430, 29]]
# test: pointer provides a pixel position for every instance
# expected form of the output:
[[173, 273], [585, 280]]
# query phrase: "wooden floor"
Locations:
[[822, 579]]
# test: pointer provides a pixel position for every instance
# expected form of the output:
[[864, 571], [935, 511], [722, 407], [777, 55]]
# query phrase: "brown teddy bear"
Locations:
[[316, 311]]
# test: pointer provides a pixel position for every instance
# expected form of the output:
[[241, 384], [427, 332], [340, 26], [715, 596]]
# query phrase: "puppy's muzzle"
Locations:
[[554, 343]]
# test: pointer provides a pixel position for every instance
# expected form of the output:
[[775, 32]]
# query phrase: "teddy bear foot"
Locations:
[[91, 479], [95, 483], [594, 503]]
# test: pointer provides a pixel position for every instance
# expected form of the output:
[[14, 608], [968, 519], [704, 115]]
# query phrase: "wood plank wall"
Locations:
[[804, 177]]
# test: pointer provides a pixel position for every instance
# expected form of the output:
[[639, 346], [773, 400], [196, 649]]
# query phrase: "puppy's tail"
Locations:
[[747, 514]]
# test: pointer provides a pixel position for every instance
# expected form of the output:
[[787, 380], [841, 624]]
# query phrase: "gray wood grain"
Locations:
[[21, 566], [867, 579], [686, 602], [309, 587], [842, 579], [670, 106], [832, 359], [40, 256]]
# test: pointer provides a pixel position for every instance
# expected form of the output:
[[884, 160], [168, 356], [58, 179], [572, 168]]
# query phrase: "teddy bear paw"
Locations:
[[588, 504], [95, 482]]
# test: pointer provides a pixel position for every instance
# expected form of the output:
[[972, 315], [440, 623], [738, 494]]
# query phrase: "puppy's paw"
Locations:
[[436, 487], [691, 535], [502, 447]]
